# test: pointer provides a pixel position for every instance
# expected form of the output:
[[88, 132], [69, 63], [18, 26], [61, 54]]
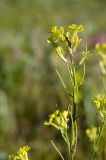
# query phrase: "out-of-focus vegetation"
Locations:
[[29, 86]]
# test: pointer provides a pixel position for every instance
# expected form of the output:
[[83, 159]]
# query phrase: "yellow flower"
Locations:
[[100, 103], [91, 133], [60, 52], [54, 29], [97, 46], [100, 47], [104, 45], [21, 154], [75, 27], [97, 103], [58, 120]]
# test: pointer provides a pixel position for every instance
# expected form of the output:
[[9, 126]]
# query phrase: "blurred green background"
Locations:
[[29, 86]]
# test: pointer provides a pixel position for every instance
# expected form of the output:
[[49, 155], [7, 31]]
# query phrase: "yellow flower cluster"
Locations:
[[101, 46], [65, 39], [100, 103], [58, 32], [91, 133], [74, 27], [58, 120], [21, 154]]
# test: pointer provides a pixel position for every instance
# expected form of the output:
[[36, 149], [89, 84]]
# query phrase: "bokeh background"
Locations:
[[29, 86]]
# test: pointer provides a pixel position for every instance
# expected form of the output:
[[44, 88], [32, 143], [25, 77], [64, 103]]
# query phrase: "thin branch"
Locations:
[[82, 77], [70, 74], [61, 78], [57, 150]]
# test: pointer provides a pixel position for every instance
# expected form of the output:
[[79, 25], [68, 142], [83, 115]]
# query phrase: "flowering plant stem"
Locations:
[[98, 140], [73, 126], [66, 41]]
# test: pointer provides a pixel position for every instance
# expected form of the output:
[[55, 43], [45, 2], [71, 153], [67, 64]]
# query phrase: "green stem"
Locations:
[[75, 90], [73, 138]]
